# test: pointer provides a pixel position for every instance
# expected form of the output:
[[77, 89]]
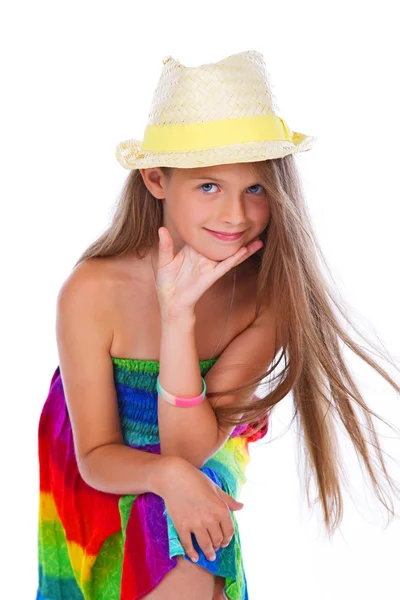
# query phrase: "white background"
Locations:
[[77, 78]]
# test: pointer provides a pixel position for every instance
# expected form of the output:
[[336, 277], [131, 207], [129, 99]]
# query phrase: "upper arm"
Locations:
[[247, 356], [84, 335]]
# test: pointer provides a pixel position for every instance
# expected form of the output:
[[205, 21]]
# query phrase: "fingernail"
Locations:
[[213, 557], [195, 558]]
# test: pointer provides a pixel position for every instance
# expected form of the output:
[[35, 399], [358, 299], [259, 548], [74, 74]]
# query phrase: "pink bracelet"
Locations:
[[181, 401]]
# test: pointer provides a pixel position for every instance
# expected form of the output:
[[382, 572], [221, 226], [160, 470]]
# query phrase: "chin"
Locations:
[[221, 254]]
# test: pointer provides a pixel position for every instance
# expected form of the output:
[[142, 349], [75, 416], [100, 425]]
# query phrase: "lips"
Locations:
[[225, 232], [225, 237]]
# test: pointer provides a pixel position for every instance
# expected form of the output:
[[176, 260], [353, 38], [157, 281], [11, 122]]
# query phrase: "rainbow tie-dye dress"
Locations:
[[94, 545]]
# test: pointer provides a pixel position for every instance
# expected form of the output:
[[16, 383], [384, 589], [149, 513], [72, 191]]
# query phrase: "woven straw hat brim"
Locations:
[[130, 155]]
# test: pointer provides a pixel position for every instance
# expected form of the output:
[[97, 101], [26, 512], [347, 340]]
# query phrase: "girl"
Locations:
[[165, 330]]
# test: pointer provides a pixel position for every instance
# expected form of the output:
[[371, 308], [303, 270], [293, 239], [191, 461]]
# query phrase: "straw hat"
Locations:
[[217, 113]]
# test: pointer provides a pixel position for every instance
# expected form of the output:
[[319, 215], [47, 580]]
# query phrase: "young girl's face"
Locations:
[[223, 198]]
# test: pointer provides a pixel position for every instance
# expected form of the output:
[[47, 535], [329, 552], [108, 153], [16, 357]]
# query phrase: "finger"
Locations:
[[205, 542], [187, 543], [216, 534], [226, 265], [232, 261], [228, 530], [251, 249], [254, 246], [165, 247]]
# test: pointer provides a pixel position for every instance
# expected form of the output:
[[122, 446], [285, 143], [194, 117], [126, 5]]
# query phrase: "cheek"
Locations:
[[261, 212], [267, 214], [188, 220], [194, 215]]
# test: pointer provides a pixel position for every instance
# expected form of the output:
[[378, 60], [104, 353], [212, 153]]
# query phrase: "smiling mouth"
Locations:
[[226, 233]]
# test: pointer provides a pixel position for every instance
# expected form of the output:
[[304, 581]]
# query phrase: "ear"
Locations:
[[155, 182]]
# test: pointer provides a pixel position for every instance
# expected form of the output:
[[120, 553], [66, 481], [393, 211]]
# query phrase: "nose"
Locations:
[[233, 210]]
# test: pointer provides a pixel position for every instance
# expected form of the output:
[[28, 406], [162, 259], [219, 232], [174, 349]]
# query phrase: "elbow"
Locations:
[[198, 457], [85, 470], [195, 456]]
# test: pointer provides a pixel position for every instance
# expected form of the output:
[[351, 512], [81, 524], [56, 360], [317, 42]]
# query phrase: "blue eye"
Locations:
[[206, 184], [255, 186], [252, 186]]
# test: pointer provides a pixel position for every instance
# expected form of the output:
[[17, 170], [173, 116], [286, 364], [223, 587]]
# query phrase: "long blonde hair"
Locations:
[[290, 278]]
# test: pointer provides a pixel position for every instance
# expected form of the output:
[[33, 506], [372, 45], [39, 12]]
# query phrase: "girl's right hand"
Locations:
[[197, 505], [183, 278]]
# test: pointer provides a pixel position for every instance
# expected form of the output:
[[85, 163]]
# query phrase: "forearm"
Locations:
[[190, 433], [119, 469]]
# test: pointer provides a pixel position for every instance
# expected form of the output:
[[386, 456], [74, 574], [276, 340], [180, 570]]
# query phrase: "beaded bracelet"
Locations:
[[181, 401]]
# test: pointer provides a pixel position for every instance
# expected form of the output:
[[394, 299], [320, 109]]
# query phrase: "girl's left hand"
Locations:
[[182, 279]]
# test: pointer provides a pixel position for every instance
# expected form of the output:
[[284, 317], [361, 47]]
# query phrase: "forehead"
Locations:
[[228, 172]]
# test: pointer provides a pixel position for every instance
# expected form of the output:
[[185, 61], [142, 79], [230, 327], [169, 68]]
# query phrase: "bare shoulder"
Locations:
[[98, 271], [266, 318], [83, 305], [95, 281], [85, 276], [267, 322]]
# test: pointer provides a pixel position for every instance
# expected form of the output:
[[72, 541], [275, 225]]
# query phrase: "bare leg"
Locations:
[[219, 586], [187, 581]]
